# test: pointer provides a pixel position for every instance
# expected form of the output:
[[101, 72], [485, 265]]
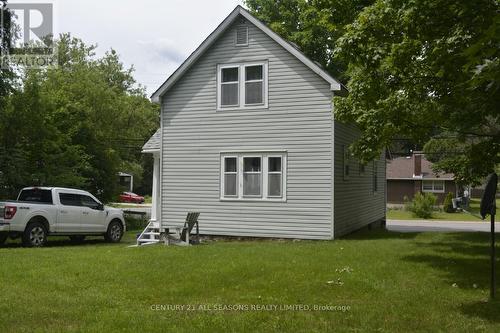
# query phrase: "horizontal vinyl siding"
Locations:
[[355, 203], [298, 121]]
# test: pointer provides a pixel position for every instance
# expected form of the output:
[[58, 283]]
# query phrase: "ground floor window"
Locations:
[[253, 176], [436, 186]]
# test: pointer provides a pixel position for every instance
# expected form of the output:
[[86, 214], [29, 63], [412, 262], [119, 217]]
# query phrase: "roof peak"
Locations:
[[335, 85]]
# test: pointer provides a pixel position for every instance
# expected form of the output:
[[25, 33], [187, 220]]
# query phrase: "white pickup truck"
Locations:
[[42, 211]]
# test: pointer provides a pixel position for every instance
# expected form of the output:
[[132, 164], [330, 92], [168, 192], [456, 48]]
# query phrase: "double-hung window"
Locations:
[[242, 86], [436, 186], [230, 176], [253, 176], [230, 86], [275, 176]]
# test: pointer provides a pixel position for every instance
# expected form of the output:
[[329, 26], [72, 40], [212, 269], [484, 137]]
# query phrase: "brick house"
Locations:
[[412, 174]]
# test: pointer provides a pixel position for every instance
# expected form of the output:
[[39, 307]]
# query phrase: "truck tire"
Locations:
[[77, 238], [35, 235], [3, 237], [115, 232]]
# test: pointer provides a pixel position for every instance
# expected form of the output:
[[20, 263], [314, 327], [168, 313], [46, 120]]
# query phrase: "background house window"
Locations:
[[242, 86], [230, 176], [254, 84], [230, 86], [436, 186], [253, 176], [274, 176]]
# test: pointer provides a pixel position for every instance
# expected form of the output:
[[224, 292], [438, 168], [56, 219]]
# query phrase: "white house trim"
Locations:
[[335, 85]]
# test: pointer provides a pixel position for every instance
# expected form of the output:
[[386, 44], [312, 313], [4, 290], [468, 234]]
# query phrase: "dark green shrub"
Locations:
[[448, 203], [135, 222], [422, 205]]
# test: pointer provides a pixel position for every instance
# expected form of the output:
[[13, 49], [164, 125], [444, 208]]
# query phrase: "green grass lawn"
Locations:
[[391, 282], [399, 214]]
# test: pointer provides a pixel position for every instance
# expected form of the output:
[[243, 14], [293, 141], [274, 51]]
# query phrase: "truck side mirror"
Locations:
[[100, 207]]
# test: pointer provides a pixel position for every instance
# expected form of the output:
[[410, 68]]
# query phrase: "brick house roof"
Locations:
[[404, 167]]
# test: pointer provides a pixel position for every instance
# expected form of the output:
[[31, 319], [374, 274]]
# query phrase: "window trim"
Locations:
[[264, 190], [375, 187], [242, 86], [433, 190]]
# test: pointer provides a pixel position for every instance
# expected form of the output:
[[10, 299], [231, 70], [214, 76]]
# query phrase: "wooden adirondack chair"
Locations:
[[184, 232]]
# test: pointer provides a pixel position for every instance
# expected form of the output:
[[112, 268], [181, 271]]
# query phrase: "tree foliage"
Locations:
[[420, 70], [315, 26], [7, 75], [74, 125], [426, 70]]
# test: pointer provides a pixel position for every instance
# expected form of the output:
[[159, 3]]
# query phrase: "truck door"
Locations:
[[93, 219], [70, 213]]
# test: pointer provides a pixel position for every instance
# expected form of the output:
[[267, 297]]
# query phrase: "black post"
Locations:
[[488, 206], [493, 271]]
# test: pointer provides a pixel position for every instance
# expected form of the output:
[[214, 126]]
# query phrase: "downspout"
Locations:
[[333, 172], [160, 182]]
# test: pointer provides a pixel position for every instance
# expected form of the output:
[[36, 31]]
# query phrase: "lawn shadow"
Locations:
[[487, 310], [379, 233], [462, 258], [66, 242]]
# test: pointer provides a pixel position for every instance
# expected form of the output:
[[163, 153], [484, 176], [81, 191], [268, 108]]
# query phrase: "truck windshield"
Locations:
[[36, 195]]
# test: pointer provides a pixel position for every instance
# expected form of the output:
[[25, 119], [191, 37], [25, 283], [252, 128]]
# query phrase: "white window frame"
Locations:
[[264, 196], [224, 173], [433, 182], [242, 85]]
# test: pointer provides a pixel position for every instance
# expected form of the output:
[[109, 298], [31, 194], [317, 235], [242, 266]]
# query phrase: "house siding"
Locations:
[[298, 121], [355, 203]]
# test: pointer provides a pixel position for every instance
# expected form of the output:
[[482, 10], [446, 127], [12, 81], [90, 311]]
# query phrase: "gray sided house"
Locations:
[[248, 139]]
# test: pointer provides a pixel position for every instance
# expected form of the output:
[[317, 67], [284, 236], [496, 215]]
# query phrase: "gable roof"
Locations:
[[335, 85], [403, 168], [153, 143]]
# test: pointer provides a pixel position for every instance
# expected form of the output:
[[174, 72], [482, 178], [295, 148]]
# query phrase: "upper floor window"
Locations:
[[242, 86]]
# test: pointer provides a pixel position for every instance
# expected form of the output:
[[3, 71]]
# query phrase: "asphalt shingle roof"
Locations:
[[403, 168], [153, 143]]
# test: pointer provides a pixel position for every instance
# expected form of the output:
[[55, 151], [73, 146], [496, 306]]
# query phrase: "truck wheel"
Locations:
[[114, 233], [77, 238], [35, 235], [3, 237]]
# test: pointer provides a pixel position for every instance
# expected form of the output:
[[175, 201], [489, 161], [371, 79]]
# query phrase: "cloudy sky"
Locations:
[[154, 36]]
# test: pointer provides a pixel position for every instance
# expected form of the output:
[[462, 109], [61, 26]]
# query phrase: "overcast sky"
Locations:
[[152, 35]]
